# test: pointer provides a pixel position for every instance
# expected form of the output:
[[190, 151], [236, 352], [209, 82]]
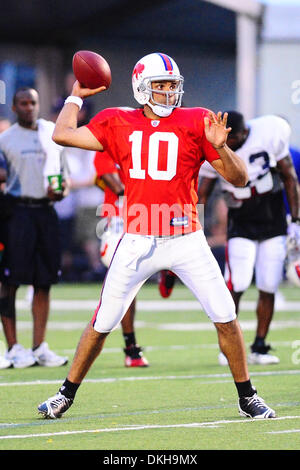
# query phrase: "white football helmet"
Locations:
[[293, 272], [156, 67], [292, 264]]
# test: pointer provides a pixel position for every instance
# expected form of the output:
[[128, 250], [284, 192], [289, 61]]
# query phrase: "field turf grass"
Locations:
[[184, 401]]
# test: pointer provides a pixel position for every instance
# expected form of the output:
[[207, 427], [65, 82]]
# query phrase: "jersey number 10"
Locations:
[[153, 155]]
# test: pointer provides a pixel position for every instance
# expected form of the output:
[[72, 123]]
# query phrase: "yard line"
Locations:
[[170, 347], [155, 305], [145, 378], [178, 347], [283, 432], [142, 427], [194, 326], [245, 325]]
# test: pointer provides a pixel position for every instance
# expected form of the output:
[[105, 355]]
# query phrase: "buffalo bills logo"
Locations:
[[138, 69]]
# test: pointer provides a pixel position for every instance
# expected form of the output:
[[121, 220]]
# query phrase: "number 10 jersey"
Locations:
[[161, 160]]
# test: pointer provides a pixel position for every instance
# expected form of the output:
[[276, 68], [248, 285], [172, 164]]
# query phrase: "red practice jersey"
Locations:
[[160, 160]]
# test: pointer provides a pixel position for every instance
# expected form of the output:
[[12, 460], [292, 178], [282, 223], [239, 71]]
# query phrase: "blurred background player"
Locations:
[[166, 281], [4, 124], [77, 212], [31, 254], [111, 180], [257, 225]]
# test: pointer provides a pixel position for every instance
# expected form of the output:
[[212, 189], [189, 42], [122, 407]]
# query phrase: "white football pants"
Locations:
[[265, 258], [138, 257]]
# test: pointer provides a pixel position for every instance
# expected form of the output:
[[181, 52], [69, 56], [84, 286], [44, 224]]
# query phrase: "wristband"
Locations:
[[74, 99]]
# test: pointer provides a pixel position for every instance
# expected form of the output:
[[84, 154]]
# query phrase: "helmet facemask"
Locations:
[[157, 67], [163, 109]]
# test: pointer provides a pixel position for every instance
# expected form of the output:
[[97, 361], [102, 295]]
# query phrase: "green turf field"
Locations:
[[184, 400]]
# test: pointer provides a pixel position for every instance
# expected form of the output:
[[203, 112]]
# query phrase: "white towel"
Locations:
[[52, 150], [139, 248]]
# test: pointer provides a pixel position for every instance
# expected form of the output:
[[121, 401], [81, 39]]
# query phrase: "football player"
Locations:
[[257, 223], [160, 149], [110, 179]]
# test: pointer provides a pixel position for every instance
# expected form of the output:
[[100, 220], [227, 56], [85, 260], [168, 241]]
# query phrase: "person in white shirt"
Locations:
[[31, 238], [4, 124]]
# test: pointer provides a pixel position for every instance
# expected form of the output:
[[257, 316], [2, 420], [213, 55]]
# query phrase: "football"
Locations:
[[91, 69]]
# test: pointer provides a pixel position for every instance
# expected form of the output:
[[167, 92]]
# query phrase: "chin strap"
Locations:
[[160, 111]]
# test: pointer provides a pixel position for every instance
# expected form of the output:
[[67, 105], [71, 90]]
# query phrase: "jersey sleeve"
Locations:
[[282, 133], [210, 154], [103, 164], [208, 171], [99, 125]]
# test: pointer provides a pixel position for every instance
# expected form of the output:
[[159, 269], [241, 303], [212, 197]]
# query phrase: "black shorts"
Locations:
[[6, 209], [31, 246], [259, 218]]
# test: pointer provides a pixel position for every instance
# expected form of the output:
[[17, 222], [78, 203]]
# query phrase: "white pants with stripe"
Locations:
[[265, 258], [138, 257]]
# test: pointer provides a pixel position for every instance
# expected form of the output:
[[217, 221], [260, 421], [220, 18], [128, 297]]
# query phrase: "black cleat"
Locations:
[[55, 406], [255, 407]]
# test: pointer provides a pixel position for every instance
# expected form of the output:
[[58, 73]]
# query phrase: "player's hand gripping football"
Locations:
[[215, 129], [82, 92]]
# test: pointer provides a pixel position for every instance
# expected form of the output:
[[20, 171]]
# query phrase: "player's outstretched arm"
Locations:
[[230, 165], [66, 132]]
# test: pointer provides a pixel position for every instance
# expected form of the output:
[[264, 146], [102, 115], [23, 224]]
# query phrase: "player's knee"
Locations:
[[103, 326], [226, 329], [240, 284], [43, 288], [267, 285], [101, 334]]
